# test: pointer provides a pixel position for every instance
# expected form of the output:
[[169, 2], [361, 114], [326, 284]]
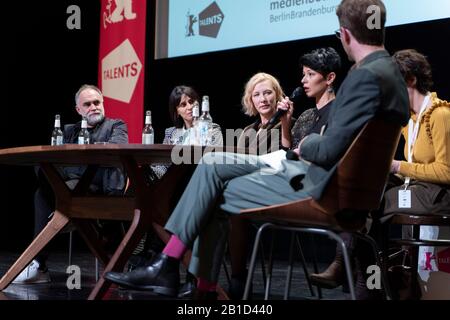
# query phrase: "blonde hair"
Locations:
[[247, 104]]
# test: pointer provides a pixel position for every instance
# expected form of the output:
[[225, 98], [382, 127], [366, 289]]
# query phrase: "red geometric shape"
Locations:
[[443, 260], [210, 20]]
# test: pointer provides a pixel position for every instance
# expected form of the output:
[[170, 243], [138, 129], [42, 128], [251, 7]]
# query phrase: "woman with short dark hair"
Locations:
[[320, 68]]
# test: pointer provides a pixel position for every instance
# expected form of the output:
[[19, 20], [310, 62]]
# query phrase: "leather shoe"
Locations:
[[187, 290], [161, 276]]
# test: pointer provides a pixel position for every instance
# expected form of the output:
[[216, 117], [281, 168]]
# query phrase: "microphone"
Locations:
[[291, 155], [276, 117]]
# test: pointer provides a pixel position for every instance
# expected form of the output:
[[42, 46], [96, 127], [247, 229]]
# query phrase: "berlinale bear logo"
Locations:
[[442, 259], [123, 9], [209, 22]]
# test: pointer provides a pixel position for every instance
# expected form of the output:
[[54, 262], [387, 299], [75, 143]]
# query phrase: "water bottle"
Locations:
[[195, 113], [148, 134], [83, 136], [57, 135], [193, 132], [204, 122]]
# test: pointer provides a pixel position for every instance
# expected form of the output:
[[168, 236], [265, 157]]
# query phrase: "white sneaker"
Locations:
[[32, 274]]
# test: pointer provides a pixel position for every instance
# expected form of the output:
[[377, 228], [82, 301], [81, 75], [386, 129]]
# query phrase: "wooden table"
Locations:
[[150, 205]]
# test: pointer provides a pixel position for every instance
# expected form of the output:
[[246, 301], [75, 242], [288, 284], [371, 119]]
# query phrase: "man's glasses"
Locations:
[[87, 104], [338, 33]]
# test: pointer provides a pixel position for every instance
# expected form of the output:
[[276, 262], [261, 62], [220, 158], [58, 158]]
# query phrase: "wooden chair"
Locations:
[[355, 189]]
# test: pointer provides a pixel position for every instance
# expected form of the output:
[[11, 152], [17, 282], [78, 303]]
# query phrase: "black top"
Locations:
[[310, 121], [321, 118]]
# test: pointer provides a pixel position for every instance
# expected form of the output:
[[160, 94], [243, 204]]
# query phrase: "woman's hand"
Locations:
[[286, 104], [395, 166]]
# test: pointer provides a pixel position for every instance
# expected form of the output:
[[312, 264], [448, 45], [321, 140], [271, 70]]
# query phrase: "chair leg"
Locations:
[[262, 260], [345, 254], [227, 273], [70, 247], [315, 267], [287, 288], [263, 264], [386, 257], [414, 253], [347, 265], [304, 265], [251, 267], [270, 267], [329, 233]]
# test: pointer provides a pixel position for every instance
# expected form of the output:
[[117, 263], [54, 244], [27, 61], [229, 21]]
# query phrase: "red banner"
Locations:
[[121, 62]]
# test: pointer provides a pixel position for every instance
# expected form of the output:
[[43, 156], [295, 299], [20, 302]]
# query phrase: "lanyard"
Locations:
[[413, 131]]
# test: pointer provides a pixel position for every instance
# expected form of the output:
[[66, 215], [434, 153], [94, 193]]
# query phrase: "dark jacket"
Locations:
[[106, 180], [374, 88]]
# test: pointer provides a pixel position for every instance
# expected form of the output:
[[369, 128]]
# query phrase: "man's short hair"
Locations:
[[354, 15], [85, 87]]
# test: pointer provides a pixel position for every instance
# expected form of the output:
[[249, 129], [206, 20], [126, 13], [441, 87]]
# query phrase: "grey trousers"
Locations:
[[231, 182]]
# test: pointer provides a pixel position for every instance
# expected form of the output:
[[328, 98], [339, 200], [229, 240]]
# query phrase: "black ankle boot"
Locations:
[[161, 276]]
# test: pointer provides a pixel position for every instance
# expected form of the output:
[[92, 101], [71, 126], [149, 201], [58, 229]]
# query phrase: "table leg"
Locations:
[[134, 234], [53, 227]]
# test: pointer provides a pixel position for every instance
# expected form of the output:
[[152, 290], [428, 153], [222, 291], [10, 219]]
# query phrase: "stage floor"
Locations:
[[58, 290]]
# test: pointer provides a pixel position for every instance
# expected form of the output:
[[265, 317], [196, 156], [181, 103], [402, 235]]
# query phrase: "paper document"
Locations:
[[273, 159]]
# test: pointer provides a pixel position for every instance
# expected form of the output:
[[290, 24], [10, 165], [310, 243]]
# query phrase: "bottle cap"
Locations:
[[196, 109], [205, 103]]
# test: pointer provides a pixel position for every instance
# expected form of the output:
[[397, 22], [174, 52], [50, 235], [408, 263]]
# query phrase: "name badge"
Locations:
[[404, 199]]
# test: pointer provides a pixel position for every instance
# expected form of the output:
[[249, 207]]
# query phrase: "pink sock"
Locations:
[[205, 285], [174, 248]]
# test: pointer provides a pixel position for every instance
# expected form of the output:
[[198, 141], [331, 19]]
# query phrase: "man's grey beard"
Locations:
[[95, 119]]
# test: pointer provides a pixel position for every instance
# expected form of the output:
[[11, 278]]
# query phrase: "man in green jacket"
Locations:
[[373, 88]]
